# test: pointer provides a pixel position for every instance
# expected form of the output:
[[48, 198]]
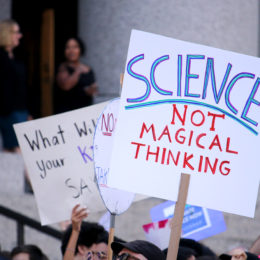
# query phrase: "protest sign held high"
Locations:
[[188, 108], [58, 153]]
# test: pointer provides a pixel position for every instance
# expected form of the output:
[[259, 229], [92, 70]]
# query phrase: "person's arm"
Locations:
[[255, 248], [92, 89], [77, 216], [67, 81]]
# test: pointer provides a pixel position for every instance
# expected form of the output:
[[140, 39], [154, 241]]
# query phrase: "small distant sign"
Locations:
[[198, 222]]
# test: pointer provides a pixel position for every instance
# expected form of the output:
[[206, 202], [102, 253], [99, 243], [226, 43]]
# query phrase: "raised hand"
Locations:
[[77, 215]]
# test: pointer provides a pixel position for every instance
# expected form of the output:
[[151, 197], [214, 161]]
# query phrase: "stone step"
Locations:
[[12, 196], [241, 231]]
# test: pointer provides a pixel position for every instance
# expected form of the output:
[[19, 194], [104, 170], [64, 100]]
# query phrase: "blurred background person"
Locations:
[[13, 89], [75, 81]]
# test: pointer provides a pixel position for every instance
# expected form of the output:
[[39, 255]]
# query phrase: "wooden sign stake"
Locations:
[[121, 79], [178, 217], [113, 215], [111, 235]]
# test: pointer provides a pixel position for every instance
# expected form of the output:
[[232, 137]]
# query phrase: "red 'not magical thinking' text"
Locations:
[[181, 136]]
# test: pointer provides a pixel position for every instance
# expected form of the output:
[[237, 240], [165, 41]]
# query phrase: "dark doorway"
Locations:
[[29, 15]]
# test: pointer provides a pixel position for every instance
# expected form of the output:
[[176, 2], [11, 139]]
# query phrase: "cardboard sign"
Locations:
[[58, 153], [198, 223], [115, 200], [188, 108]]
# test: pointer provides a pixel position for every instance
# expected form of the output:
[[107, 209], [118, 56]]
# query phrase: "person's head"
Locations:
[[74, 49], [198, 247], [10, 34], [137, 250], [27, 252], [184, 253], [99, 250], [88, 235], [238, 254]]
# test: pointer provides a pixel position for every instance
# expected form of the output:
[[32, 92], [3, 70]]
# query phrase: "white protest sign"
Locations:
[[188, 108], [58, 153], [115, 200]]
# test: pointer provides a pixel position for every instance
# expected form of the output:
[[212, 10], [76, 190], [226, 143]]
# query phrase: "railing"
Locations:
[[22, 220]]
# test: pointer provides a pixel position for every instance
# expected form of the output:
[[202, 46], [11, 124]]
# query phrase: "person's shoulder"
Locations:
[[86, 67]]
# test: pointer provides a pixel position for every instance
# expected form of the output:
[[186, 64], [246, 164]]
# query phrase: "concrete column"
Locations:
[[5, 9]]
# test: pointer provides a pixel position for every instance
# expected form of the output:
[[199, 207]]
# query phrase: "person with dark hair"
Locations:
[[198, 247], [80, 236], [184, 253], [137, 250], [98, 251], [28, 252], [76, 84]]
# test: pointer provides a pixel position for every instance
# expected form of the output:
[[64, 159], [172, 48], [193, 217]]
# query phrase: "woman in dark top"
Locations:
[[75, 80], [13, 104]]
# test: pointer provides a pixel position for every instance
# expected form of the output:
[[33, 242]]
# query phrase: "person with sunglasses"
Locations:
[[81, 239], [98, 251], [95, 255], [136, 250]]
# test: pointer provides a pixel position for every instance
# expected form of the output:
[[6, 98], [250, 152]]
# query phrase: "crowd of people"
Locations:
[[84, 240]]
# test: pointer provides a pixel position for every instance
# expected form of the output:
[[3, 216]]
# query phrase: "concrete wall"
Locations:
[[5, 9], [106, 25]]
